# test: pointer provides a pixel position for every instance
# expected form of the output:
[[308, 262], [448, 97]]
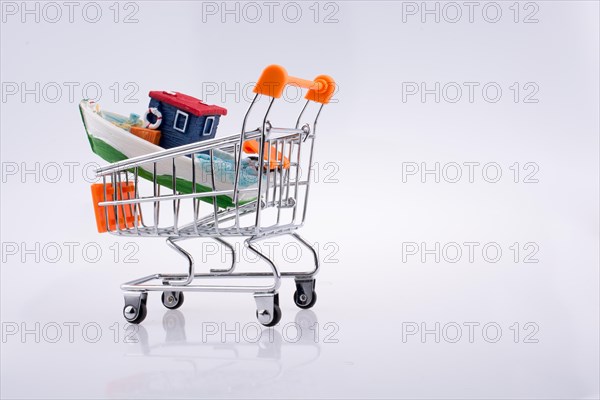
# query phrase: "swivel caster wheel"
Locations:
[[305, 296], [268, 312], [135, 309], [275, 316], [172, 300]]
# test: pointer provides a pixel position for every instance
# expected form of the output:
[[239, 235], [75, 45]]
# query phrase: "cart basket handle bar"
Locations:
[[172, 152], [205, 145], [274, 78]]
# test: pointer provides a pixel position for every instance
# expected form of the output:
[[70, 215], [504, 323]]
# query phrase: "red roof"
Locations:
[[187, 103]]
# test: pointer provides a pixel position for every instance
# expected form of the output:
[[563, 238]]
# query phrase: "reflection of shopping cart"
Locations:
[[185, 362], [218, 172]]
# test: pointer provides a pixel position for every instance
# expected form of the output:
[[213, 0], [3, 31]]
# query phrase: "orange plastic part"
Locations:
[[274, 78], [151, 135], [125, 213], [251, 147]]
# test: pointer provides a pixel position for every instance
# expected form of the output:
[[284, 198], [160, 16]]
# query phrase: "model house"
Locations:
[[183, 119]]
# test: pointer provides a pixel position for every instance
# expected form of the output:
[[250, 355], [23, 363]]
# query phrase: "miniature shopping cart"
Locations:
[[206, 192]]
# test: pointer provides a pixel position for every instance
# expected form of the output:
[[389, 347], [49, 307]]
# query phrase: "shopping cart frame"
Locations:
[[275, 179]]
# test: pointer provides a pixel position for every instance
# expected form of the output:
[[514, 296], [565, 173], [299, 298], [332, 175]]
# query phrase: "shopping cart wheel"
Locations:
[[172, 300], [268, 312], [263, 315], [305, 296], [135, 309]]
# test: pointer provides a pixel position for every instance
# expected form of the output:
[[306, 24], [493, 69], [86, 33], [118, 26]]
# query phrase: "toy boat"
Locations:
[[182, 120]]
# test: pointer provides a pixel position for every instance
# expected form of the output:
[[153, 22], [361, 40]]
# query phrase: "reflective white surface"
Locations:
[[387, 322]]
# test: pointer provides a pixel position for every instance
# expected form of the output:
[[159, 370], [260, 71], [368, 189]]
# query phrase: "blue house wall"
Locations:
[[194, 131]]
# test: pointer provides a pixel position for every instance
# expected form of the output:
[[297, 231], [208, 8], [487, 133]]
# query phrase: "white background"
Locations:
[[364, 214]]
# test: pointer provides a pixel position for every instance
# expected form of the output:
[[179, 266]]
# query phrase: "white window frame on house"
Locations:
[[212, 125], [187, 117]]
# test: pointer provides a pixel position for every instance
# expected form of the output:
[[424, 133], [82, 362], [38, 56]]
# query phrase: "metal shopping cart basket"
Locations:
[[205, 198]]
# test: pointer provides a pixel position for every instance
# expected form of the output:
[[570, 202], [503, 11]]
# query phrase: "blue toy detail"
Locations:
[[185, 119]]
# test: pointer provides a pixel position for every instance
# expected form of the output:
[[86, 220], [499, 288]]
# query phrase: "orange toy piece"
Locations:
[[274, 78], [125, 212], [251, 147], [151, 135]]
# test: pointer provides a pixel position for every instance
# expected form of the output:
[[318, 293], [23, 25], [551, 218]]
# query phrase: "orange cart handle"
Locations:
[[274, 78]]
